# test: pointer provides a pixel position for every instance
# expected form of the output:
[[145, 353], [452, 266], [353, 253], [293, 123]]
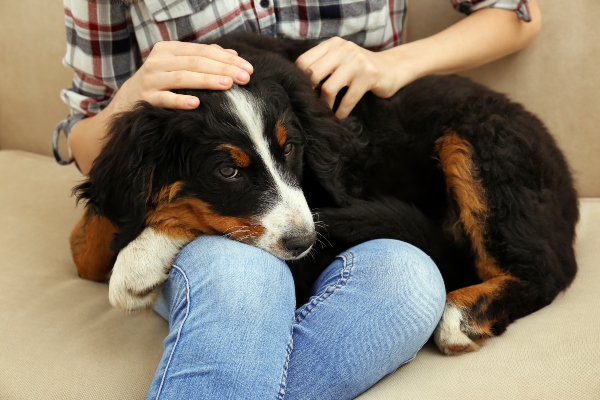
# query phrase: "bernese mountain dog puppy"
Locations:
[[461, 172]]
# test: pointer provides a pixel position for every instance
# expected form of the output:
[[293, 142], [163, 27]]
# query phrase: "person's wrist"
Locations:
[[412, 61], [120, 101], [403, 67]]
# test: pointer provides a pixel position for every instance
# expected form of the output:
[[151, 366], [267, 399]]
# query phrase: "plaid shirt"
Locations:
[[107, 41]]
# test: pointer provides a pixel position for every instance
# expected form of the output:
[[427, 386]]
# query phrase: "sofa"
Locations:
[[61, 339]]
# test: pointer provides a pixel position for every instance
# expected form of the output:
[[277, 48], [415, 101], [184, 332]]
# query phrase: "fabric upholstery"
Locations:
[[555, 77], [59, 336], [61, 339]]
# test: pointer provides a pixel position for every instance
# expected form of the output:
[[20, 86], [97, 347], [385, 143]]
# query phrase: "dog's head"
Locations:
[[233, 166]]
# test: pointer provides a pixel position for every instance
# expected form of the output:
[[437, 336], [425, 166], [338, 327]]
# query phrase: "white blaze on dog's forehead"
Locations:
[[289, 209], [248, 110]]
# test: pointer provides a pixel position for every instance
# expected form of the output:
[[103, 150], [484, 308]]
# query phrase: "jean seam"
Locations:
[[345, 275], [283, 382], [187, 310]]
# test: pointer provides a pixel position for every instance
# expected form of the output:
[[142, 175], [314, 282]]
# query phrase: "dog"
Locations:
[[461, 172]]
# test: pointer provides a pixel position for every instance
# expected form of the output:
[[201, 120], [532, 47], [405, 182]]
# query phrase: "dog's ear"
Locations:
[[329, 142], [120, 183]]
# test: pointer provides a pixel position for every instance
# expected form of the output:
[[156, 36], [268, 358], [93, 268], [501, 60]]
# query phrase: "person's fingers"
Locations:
[[341, 77], [356, 90], [165, 99], [193, 80], [318, 61], [209, 51], [228, 50], [324, 67], [310, 56], [206, 66]]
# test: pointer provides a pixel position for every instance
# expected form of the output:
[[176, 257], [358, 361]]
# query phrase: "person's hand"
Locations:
[[180, 65], [344, 63]]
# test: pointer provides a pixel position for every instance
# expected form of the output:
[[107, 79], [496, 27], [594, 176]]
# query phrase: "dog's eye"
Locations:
[[288, 148], [229, 172]]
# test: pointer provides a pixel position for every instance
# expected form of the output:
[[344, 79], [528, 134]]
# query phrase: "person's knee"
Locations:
[[403, 273], [234, 272]]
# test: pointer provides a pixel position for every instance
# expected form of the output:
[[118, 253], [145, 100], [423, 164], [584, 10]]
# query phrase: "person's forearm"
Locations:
[[87, 138], [482, 37]]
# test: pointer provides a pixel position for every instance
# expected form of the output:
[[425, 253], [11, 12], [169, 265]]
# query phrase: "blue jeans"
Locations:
[[235, 333]]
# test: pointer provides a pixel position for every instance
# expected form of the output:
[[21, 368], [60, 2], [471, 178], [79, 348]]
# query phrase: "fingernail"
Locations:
[[224, 81], [247, 66], [242, 76], [192, 102]]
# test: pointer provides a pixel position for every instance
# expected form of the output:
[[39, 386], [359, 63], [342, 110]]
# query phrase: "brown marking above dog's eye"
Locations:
[[281, 133], [239, 157]]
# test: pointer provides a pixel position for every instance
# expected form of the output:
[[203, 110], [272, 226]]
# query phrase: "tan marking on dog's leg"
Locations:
[[458, 325], [90, 246]]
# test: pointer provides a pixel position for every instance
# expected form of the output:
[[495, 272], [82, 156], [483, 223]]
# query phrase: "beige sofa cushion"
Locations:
[[60, 338]]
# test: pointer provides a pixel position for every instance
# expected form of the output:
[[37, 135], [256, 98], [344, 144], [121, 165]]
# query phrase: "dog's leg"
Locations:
[[522, 282], [142, 267], [90, 246], [390, 218]]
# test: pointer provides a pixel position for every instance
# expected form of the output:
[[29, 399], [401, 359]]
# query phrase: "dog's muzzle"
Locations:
[[297, 245]]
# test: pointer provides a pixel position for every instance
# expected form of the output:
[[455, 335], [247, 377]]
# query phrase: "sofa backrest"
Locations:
[[557, 76], [32, 44]]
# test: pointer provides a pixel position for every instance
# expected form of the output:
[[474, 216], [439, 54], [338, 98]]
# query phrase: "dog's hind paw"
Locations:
[[141, 269], [449, 336]]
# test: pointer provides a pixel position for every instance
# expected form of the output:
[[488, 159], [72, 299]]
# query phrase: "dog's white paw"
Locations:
[[141, 269], [450, 336]]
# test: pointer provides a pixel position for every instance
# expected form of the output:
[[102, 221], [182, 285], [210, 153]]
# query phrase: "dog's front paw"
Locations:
[[141, 269], [452, 334], [135, 282]]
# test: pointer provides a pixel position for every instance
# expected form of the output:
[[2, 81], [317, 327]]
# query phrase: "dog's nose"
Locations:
[[298, 244]]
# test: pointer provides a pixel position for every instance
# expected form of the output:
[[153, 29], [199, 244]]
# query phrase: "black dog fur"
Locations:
[[387, 171]]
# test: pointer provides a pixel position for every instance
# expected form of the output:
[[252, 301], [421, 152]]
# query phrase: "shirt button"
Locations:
[[264, 3]]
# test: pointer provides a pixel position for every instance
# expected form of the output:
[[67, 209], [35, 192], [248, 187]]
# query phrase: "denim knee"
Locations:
[[234, 273], [404, 276], [381, 300], [231, 307], [403, 261]]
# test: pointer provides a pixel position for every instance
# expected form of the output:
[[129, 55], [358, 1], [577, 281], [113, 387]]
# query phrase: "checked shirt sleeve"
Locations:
[[103, 54], [521, 7]]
